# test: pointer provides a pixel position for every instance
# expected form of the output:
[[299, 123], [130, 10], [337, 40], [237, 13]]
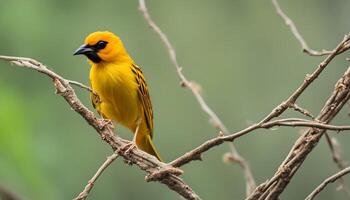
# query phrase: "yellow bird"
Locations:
[[121, 88]]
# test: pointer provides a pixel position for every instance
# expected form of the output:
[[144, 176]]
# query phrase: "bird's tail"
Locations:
[[148, 146]]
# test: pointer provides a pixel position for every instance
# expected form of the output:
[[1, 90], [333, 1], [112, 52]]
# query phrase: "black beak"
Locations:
[[83, 49]]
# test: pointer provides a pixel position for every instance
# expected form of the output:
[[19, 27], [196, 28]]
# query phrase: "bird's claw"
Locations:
[[128, 147], [107, 123], [165, 171]]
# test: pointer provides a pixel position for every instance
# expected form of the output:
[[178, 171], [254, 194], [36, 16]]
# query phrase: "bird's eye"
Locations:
[[101, 44]]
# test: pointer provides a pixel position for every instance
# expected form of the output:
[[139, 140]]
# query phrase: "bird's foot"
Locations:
[[165, 171], [107, 123], [128, 147]]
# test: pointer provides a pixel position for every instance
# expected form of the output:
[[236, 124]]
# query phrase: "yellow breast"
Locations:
[[117, 89]]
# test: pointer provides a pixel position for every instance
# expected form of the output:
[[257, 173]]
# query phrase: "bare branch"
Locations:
[[84, 194], [303, 123], [329, 180], [293, 122], [302, 110], [76, 83], [213, 118], [305, 48], [196, 153], [135, 156]]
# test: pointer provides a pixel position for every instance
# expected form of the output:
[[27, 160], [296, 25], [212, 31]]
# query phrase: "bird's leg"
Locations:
[[107, 122], [131, 145]]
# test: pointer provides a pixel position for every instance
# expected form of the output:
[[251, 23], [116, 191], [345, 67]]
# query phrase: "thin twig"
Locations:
[[84, 194], [293, 122], [146, 162], [76, 83], [195, 88], [302, 110], [305, 48], [329, 180], [303, 123]]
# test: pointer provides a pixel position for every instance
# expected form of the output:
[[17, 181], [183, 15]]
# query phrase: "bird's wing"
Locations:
[[144, 97]]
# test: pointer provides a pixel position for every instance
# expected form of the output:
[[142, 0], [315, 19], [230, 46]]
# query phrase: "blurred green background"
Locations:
[[241, 53]]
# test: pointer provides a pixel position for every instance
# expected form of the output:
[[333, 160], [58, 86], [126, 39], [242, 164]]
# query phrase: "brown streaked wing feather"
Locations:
[[144, 97]]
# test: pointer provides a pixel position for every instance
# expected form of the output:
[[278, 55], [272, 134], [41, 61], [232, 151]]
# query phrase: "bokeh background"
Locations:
[[241, 53]]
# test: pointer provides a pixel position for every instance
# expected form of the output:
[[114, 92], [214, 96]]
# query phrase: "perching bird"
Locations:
[[122, 93]]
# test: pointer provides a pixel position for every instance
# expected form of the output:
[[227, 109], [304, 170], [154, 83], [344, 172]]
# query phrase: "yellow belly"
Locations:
[[117, 90]]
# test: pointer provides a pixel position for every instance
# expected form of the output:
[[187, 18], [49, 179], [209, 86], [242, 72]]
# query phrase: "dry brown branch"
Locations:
[[302, 110], [305, 144], [81, 86], [329, 180], [145, 161], [84, 194], [194, 87], [295, 122], [6, 194], [305, 48]]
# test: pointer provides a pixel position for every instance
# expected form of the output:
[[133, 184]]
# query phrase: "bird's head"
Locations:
[[102, 46]]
